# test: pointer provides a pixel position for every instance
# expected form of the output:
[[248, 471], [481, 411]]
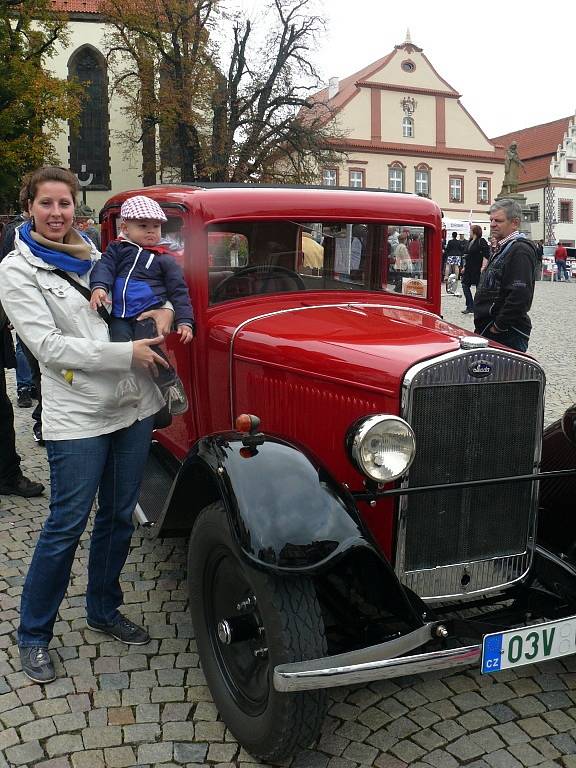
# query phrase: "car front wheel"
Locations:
[[246, 622]]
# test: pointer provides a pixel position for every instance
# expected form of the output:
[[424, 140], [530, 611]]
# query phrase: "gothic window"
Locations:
[[89, 147], [408, 127]]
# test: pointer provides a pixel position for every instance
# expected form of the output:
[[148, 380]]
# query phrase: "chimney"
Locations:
[[332, 87]]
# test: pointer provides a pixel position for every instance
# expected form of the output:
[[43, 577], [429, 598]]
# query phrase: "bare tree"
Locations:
[[266, 126], [254, 120]]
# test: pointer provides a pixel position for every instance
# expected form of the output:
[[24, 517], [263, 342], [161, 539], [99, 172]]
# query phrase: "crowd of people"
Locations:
[[503, 272]]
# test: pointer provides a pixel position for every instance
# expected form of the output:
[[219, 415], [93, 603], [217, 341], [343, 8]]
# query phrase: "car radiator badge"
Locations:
[[480, 369]]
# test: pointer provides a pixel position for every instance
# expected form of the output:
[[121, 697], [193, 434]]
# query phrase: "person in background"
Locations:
[[87, 226], [506, 287], [452, 256], [560, 256], [540, 258], [94, 445], [477, 254], [12, 481], [28, 384]]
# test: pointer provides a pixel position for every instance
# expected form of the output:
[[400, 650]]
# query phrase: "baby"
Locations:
[[141, 274]]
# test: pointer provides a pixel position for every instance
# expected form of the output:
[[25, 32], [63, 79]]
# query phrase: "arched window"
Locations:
[[408, 127], [396, 177], [89, 144], [422, 179]]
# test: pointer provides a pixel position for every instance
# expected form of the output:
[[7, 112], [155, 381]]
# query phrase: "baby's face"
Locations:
[[144, 232]]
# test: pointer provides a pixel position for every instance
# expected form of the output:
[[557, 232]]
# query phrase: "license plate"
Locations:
[[528, 645]]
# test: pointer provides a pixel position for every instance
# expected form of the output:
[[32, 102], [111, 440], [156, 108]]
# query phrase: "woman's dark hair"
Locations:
[[477, 230], [32, 180]]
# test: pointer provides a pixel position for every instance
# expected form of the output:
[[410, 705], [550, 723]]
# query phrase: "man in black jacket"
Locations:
[[506, 288], [12, 481]]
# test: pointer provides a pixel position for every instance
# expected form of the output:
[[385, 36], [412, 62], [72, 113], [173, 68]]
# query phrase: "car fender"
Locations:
[[287, 514]]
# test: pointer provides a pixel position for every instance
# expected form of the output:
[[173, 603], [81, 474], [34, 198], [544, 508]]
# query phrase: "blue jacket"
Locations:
[[141, 278]]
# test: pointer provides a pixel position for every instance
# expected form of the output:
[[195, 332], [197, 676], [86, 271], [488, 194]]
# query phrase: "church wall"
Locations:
[[125, 172]]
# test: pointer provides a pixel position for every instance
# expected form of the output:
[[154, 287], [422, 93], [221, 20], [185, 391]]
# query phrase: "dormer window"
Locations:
[[408, 127]]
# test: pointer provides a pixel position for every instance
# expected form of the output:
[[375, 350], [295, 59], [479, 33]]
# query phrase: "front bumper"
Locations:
[[377, 662]]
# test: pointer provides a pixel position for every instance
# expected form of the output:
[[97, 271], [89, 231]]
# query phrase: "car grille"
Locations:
[[465, 541]]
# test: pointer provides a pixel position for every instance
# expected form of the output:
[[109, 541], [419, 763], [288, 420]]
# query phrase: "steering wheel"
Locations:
[[264, 272]]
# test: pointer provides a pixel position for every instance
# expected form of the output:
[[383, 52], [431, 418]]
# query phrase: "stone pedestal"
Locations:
[[525, 223]]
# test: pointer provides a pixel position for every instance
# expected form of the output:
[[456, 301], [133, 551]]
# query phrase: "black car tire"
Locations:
[[268, 724]]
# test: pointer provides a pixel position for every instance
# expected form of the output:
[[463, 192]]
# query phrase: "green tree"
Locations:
[[32, 101], [160, 56]]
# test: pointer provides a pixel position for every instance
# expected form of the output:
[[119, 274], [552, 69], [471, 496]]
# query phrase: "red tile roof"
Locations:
[[77, 6], [538, 140]]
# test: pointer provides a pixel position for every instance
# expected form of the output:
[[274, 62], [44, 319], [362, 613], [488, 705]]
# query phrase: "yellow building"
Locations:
[[405, 129]]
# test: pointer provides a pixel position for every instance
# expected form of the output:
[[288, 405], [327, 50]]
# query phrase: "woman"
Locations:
[[93, 444], [477, 256]]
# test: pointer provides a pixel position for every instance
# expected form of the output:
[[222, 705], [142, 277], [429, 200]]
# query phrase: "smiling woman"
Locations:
[[93, 443], [52, 210]]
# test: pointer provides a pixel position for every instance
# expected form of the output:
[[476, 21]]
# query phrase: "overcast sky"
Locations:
[[513, 63]]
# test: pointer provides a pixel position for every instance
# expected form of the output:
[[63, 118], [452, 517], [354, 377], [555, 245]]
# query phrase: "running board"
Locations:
[[155, 491]]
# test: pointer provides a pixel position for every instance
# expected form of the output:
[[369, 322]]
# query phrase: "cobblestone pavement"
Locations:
[[149, 706]]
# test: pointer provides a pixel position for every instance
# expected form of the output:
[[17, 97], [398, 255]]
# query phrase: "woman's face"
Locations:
[[53, 210]]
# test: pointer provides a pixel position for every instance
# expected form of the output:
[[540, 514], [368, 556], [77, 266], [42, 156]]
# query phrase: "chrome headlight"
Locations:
[[382, 447]]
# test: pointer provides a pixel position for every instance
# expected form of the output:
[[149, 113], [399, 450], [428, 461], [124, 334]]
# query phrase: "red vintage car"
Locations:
[[358, 479]]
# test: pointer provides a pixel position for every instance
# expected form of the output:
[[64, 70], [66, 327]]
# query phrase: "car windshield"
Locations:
[[254, 257]]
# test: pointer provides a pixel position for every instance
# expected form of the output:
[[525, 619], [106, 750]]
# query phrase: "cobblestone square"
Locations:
[[113, 706]]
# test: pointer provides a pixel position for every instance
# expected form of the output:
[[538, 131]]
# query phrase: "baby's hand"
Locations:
[[99, 298], [186, 334]]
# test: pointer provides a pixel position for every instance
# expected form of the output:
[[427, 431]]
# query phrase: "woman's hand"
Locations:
[[144, 357], [162, 317]]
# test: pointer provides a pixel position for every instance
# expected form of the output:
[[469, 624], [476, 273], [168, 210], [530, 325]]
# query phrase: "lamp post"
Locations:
[[84, 182]]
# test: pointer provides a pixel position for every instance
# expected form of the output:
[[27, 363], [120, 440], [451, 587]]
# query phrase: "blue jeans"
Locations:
[[23, 372], [468, 296], [113, 465], [562, 270], [510, 338]]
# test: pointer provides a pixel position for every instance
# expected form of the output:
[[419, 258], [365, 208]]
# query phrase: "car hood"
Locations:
[[365, 344]]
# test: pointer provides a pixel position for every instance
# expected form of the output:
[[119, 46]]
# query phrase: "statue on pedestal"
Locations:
[[512, 165]]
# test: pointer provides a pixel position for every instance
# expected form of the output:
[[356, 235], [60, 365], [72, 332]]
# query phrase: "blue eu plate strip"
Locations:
[[492, 654]]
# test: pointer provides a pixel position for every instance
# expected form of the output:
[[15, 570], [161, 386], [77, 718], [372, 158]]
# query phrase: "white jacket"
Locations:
[[64, 334]]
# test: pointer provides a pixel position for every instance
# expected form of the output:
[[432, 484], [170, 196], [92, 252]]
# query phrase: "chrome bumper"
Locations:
[[378, 662]]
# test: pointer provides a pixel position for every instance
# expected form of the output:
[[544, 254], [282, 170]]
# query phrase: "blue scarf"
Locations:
[[58, 258]]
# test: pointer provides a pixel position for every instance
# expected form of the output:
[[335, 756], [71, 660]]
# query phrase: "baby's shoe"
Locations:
[[128, 391]]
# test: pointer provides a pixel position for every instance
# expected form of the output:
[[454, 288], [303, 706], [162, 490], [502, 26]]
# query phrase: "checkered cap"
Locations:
[[141, 207]]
